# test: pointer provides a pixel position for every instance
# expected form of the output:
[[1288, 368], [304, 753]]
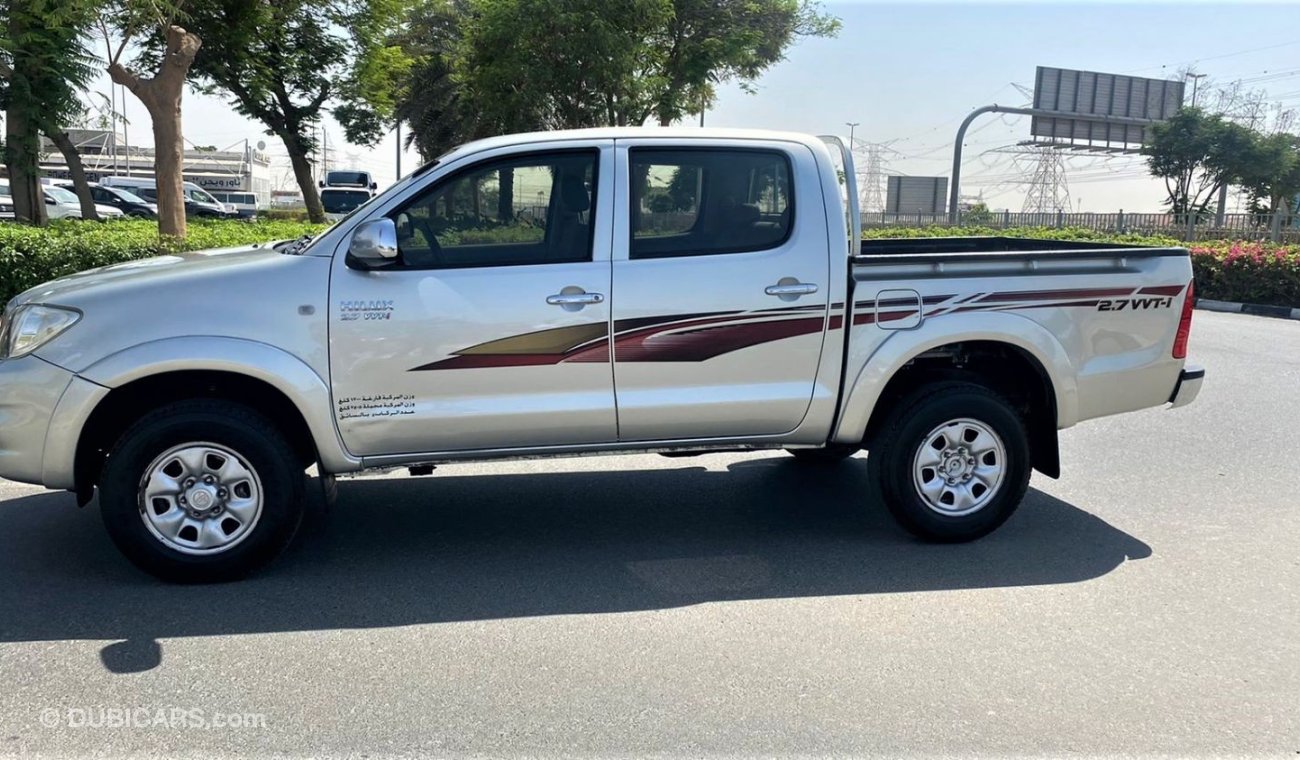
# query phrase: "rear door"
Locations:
[[721, 268]]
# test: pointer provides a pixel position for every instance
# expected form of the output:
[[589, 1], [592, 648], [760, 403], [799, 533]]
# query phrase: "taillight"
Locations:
[[1185, 323]]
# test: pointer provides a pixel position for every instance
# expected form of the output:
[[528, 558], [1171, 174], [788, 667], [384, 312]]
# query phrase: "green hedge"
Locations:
[[30, 256], [1225, 270]]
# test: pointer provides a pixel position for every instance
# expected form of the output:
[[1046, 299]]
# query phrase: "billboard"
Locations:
[[916, 195], [1087, 98]]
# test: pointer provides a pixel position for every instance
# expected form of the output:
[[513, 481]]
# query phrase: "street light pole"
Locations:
[[852, 125], [1196, 81], [954, 185]]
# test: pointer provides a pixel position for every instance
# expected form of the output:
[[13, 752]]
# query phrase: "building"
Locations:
[[106, 154]]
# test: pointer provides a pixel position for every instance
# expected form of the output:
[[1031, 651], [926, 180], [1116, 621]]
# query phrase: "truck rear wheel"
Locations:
[[201, 490], [951, 462]]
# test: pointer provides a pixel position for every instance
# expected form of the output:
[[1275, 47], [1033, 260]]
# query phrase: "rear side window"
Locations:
[[701, 202]]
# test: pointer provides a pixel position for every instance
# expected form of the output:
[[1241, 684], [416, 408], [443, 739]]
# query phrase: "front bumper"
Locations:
[[1189, 384], [30, 389]]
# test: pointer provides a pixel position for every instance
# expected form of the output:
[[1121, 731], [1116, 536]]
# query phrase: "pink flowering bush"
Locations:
[[1260, 273]]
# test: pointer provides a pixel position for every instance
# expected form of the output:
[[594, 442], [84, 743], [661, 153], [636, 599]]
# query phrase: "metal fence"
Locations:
[[1277, 228]]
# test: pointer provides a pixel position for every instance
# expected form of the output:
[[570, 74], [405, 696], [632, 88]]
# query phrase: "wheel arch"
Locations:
[[275, 383], [1009, 354]]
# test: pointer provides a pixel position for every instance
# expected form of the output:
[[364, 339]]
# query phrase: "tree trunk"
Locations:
[[21, 159], [302, 173], [21, 148], [78, 172], [161, 96], [169, 163]]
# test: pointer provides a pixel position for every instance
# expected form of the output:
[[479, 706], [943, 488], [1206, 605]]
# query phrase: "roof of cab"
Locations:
[[625, 133]]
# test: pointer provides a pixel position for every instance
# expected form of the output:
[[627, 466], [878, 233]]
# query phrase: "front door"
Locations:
[[492, 329], [721, 283]]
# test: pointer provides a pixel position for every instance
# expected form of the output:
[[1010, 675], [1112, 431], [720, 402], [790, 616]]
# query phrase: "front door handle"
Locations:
[[788, 289], [574, 298]]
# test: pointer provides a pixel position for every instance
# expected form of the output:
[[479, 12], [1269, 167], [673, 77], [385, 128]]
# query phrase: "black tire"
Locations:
[[909, 427], [830, 454], [260, 447]]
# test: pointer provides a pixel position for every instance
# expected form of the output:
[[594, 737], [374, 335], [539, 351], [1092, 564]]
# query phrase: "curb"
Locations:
[[1259, 310]]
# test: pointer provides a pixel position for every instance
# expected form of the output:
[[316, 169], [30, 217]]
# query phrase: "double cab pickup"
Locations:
[[597, 291]]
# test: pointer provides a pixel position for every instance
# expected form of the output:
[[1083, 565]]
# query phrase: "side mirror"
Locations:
[[373, 245], [374, 185], [50, 201]]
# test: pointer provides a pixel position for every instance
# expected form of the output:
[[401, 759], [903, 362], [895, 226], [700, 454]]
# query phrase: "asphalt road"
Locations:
[[1147, 602]]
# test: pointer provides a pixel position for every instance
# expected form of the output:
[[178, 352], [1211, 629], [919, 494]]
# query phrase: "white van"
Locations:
[[244, 204], [349, 178]]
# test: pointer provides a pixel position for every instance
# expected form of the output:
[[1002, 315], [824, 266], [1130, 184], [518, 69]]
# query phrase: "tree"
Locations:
[[485, 67], [713, 41], [562, 64], [427, 97], [43, 66], [1272, 173], [59, 137], [160, 93], [1196, 154], [282, 62]]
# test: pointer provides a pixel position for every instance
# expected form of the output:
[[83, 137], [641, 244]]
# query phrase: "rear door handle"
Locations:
[[573, 299], [788, 289]]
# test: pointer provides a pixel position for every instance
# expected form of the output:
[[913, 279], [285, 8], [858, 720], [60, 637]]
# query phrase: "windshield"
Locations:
[[355, 179], [195, 194], [61, 195], [126, 195], [342, 201]]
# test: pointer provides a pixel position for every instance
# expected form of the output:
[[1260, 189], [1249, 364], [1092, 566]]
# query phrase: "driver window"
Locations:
[[533, 209]]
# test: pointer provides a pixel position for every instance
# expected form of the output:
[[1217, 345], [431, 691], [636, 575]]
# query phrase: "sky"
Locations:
[[910, 72]]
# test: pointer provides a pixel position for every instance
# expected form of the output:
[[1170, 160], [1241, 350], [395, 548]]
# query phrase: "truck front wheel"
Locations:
[[952, 461], [201, 490]]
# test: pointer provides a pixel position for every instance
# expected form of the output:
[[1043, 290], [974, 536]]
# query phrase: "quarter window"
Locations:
[[698, 202], [533, 209]]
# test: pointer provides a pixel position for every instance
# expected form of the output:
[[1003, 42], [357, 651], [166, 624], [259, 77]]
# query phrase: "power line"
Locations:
[[1247, 51]]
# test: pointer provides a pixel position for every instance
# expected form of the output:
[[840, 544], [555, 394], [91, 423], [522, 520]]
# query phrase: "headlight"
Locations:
[[32, 326]]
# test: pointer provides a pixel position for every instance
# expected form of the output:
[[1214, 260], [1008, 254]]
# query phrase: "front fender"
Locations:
[[902, 346], [287, 373]]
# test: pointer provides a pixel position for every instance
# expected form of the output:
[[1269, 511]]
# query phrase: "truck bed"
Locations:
[[1002, 248], [1100, 317]]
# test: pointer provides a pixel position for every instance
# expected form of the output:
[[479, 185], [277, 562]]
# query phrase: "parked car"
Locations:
[[339, 202], [61, 203], [199, 203], [735, 310], [124, 200], [6, 208]]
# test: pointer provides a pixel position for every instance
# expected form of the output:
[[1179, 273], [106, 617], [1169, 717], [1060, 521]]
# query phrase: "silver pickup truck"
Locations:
[[575, 293]]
